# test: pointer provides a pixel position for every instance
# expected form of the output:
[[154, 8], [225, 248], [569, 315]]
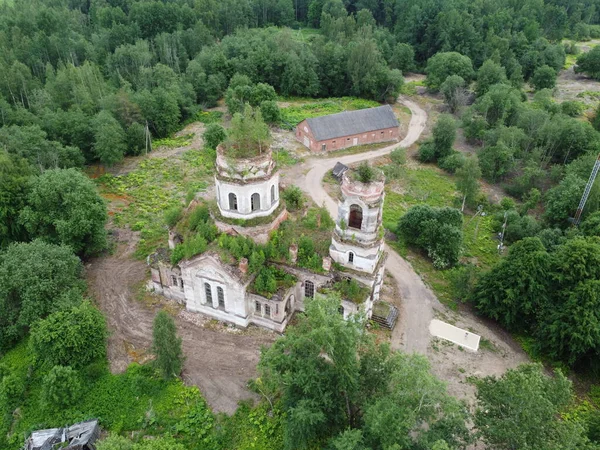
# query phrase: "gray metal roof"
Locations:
[[352, 122]]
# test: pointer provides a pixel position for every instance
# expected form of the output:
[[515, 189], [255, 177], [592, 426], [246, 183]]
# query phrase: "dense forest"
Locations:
[[86, 82]]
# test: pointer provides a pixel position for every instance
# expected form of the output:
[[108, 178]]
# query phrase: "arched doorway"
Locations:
[[356, 215], [255, 202]]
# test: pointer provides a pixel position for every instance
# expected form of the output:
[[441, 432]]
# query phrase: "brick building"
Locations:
[[348, 128]]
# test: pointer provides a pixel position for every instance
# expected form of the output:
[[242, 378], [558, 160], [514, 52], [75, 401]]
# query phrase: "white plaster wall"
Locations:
[[244, 193], [365, 259]]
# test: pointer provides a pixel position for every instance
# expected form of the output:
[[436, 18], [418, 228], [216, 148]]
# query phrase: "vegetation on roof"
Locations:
[[271, 280], [248, 136], [350, 290]]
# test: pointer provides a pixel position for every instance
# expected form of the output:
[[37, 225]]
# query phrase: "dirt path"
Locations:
[[417, 303], [218, 361]]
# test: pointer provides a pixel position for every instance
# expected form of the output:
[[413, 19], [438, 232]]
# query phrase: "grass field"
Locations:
[[303, 108]]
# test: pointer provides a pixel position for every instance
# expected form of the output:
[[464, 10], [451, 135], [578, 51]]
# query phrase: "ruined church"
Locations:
[[249, 204]]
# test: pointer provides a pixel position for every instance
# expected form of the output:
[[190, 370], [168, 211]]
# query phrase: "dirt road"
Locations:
[[412, 332], [417, 303], [218, 361]]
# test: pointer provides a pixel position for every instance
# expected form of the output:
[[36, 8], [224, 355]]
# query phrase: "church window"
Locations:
[[351, 257], [356, 216], [220, 297], [208, 292], [181, 283], [173, 280], [255, 202], [257, 307], [267, 311], [309, 289], [233, 202]]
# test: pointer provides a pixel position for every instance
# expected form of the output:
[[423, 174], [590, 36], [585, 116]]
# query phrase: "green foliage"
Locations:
[[173, 142], [294, 199], [589, 63], [192, 246], [248, 135], [398, 156], [365, 173], [489, 73], [75, 337], [444, 64], [109, 139], [437, 230], [544, 77], [270, 111], [31, 287], [444, 134], [467, 180], [520, 410], [14, 175], [572, 108], [63, 207], [329, 373], [496, 162], [265, 283], [172, 215], [61, 388], [452, 162], [214, 135], [454, 91], [352, 290], [166, 346]]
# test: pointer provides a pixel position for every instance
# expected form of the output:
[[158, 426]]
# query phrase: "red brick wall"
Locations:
[[371, 137]]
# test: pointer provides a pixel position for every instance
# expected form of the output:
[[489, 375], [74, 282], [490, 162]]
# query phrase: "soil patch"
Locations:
[[219, 360]]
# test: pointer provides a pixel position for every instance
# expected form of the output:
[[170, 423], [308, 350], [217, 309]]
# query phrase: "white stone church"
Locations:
[[248, 189]]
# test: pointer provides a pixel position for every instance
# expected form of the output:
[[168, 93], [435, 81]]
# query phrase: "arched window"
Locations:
[[220, 297], [350, 257], [309, 289], [257, 307], [356, 214], [208, 293], [233, 201], [272, 194], [255, 202]]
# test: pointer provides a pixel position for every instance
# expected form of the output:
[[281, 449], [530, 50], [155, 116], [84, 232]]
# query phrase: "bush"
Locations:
[[199, 216], [61, 387], [572, 108], [214, 135], [270, 111], [294, 199], [365, 173], [427, 152], [191, 247], [172, 215], [437, 230], [74, 337], [12, 392], [452, 162], [398, 156], [544, 77], [444, 134], [166, 345]]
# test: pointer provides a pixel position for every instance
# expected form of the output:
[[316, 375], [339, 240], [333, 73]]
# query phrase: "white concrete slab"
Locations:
[[454, 334]]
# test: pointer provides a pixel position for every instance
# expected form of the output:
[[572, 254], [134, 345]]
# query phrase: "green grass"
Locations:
[[570, 61], [140, 198], [429, 185], [294, 114], [173, 142], [410, 88]]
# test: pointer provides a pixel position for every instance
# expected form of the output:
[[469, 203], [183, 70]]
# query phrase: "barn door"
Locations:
[[355, 141], [306, 142]]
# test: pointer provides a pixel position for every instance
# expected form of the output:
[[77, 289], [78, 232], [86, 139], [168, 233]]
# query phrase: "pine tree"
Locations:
[[166, 346]]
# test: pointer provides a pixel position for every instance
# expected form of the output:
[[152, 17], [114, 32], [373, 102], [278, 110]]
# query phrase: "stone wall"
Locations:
[[258, 233]]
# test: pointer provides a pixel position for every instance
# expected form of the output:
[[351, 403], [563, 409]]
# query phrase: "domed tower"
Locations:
[[357, 241], [247, 188]]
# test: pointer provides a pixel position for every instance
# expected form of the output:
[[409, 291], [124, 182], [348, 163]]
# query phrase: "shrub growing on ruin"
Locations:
[[294, 199], [214, 135]]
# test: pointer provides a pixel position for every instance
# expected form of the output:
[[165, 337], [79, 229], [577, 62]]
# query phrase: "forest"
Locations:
[[89, 82]]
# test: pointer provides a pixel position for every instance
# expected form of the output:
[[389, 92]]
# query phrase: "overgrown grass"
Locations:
[[140, 198], [410, 88], [570, 61], [294, 114], [173, 142], [431, 186]]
